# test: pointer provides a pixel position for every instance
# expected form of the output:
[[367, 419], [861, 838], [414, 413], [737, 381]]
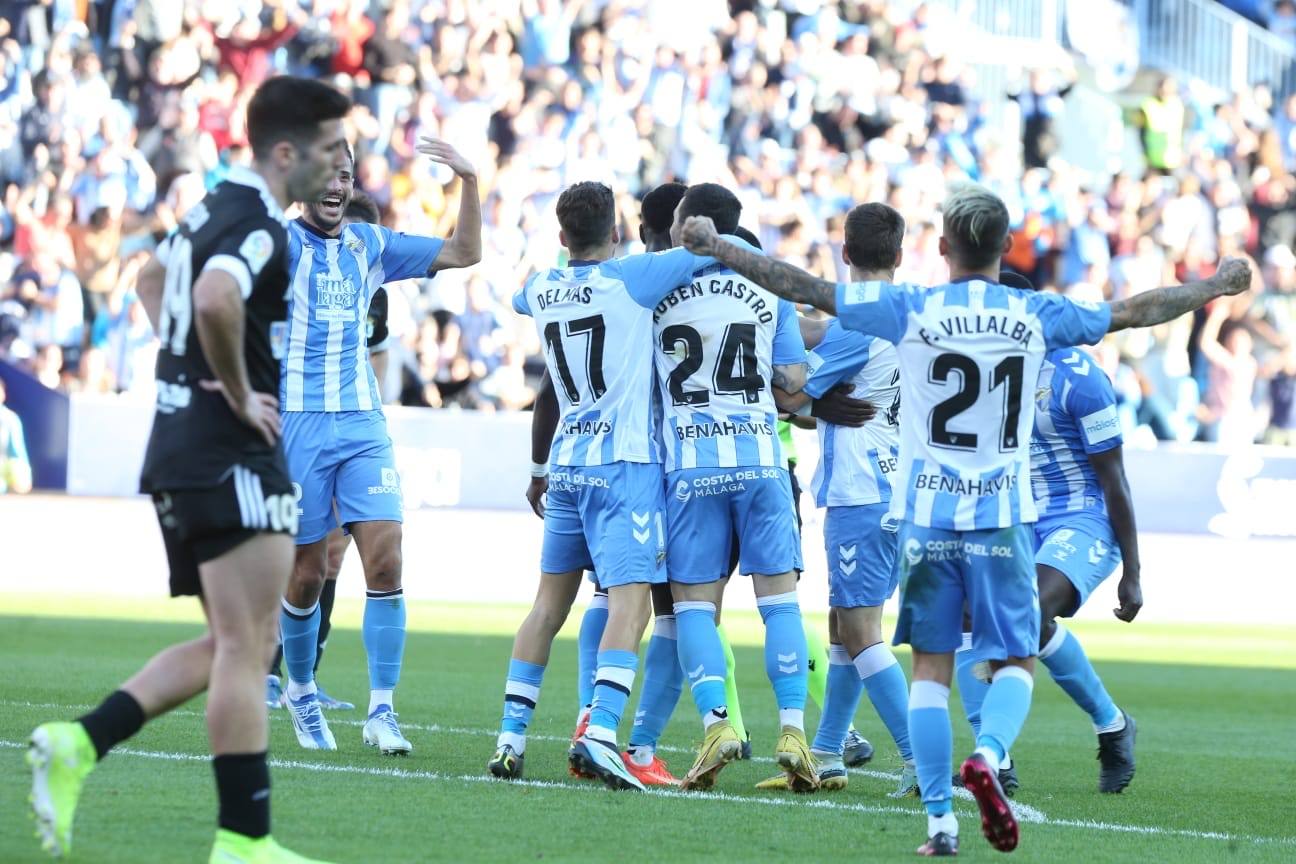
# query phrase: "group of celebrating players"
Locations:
[[970, 454]]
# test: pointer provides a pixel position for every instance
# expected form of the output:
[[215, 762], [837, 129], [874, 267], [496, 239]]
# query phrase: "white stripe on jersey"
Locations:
[[364, 398], [295, 363], [336, 330], [241, 495]]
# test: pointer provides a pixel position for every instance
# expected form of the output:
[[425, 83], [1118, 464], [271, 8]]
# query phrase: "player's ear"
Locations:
[[942, 246], [616, 235], [1007, 244], [845, 256], [643, 234], [898, 260], [562, 238], [284, 155]]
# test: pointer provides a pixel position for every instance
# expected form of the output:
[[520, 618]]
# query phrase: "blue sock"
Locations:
[[840, 701], [1003, 713], [663, 682], [972, 690], [702, 656], [1070, 667], [884, 680], [521, 692], [383, 634], [587, 643], [612, 684], [933, 745], [785, 655], [299, 631]]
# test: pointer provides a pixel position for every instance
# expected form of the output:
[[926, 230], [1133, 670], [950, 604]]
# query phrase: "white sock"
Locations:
[[380, 697], [991, 757], [602, 734], [943, 824], [298, 690], [1115, 726], [514, 740], [714, 716], [1006, 763], [642, 755], [792, 717]]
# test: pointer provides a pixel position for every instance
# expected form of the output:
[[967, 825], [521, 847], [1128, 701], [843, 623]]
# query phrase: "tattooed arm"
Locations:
[[700, 237], [1165, 304], [791, 378]]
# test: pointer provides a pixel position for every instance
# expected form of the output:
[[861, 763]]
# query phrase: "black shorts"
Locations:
[[199, 525]]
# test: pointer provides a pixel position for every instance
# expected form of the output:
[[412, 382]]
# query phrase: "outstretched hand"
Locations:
[[1233, 275], [442, 153], [699, 235]]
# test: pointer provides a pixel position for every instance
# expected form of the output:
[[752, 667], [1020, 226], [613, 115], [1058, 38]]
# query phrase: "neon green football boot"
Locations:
[[231, 848], [61, 756]]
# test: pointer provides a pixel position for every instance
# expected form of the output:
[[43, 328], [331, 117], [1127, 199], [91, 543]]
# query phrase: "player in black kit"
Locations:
[[215, 293]]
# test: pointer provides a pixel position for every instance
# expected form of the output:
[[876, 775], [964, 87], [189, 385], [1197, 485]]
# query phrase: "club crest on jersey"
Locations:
[[354, 244], [256, 250]]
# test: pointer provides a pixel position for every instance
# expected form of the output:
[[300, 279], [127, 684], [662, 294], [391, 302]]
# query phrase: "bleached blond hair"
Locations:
[[975, 224]]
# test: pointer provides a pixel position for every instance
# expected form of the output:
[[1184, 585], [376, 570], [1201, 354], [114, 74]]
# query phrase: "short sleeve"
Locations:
[[789, 347], [1070, 322], [839, 356], [521, 304], [874, 308], [244, 253], [1091, 402], [407, 256]]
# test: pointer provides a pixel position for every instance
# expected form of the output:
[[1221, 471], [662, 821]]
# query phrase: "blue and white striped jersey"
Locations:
[[595, 322], [856, 466], [1075, 416], [333, 279], [718, 338], [969, 354]]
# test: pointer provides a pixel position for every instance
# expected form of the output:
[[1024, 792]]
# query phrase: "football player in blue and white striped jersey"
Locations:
[[969, 350], [335, 434]]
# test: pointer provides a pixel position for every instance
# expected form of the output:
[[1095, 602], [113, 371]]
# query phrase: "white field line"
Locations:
[[1024, 812]]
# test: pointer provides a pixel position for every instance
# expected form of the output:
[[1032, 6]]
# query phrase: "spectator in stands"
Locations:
[[1162, 119], [1041, 104], [15, 467]]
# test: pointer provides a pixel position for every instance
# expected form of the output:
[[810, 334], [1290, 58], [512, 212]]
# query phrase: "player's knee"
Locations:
[[383, 571]]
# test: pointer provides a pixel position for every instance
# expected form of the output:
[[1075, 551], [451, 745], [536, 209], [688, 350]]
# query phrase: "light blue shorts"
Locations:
[[861, 556], [606, 518], [342, 456], [1082, 547], [992, 571], [709, 509]]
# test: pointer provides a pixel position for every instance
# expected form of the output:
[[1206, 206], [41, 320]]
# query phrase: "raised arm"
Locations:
[[791, 283], [464, 246], [1166, 304]]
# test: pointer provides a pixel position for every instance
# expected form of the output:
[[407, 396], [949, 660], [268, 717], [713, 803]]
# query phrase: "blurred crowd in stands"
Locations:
[[117, 115]]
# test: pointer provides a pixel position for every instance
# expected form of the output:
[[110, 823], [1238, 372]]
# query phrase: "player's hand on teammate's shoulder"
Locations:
[[699, 235], [535, 494], [1234, 275], [443, 153], [258, 410], [1130, 594], [838, 407]]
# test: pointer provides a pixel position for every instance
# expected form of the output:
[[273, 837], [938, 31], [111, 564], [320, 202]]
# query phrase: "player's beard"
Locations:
[[326, 218]]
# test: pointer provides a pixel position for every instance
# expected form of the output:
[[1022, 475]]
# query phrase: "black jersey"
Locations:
[[197, 439], [376, 324]]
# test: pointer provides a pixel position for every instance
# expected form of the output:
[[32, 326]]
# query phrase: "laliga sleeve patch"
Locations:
[[256, 250], [1101, 425], [863, 292], [813, 362]]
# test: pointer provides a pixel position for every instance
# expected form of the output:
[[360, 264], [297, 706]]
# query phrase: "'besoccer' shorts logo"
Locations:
[[390, 484]]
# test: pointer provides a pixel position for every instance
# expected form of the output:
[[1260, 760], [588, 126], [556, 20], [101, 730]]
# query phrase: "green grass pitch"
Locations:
[[1217, 746]]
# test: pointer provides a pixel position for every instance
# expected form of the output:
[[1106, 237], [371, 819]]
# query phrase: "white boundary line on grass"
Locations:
[[724, 797], [1024, 812]]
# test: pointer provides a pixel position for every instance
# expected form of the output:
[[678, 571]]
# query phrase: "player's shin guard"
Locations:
[[933, 744], [663, 682], [593, 622], [299, 631], [1070, 667], [817, 665], [612, 685], [731, 700], [884, 679], [840, 701], [702, 655], [383, 633], [1003, 713], [521, 692], [785, 655], [972, 690]]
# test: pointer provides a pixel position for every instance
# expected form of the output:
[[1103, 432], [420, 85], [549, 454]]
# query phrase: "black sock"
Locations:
[[243, 788], [117, 718], [326, 611], [276, 668]]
